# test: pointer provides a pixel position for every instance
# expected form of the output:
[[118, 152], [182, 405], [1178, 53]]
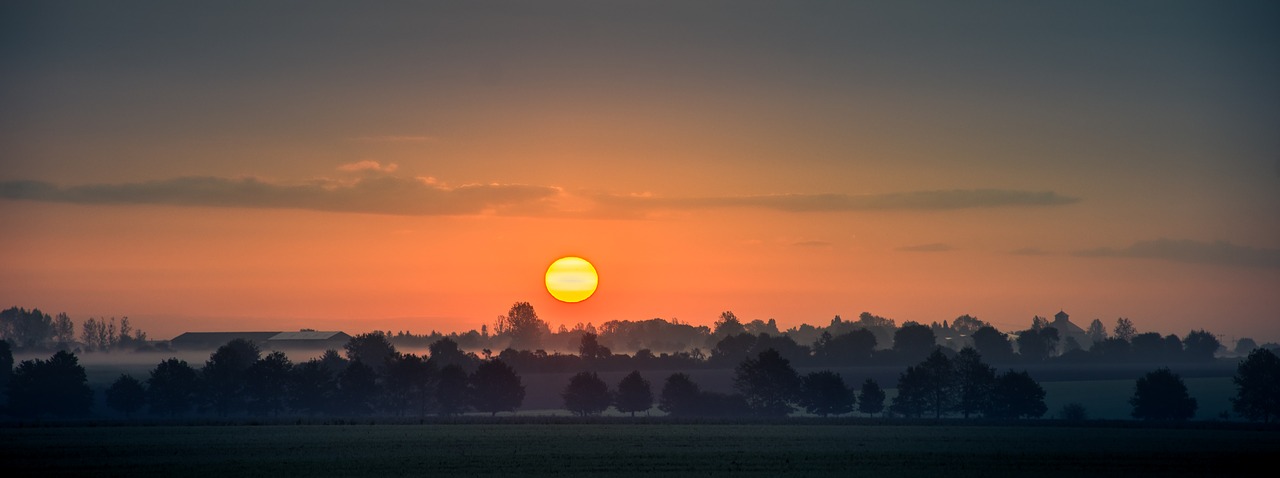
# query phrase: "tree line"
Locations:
[[373, 378], [36, 330]]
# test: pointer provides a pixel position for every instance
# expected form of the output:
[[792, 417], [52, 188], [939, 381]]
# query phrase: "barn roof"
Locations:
[[310, 335]]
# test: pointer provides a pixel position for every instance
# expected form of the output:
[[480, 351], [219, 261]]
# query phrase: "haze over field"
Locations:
[[271, 167]]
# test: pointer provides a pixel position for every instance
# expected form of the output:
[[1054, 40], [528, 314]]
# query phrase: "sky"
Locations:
[[249, 166]]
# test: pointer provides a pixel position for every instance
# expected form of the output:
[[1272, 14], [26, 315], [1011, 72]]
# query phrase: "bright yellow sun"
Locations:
[[571, 279]]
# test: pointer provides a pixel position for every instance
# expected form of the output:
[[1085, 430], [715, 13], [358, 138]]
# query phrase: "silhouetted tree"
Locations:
[[1148, 347], [24, 328], [523, 326], [357, 389], [312, 387], [871, 398], [590, 348], [634, 394], [728, 324], [941, 392], [172, 387], [1036, 345], [410, 385], [967, 324], [913, 341], [56, 387], [1074, 412], [853, 347], [679, 396], [445, 352], [1124, 330], [333, 362], [126, 395], [6, 370], [1161, 395], [586, 394], [993, 344], [1258, 386], [975, 381], [1200, 345], [1096, 331], [913, 392], [1245, 345], [451, 390], [768, 383], [223, 375], [266, 384], [374, 349], [1112, 349], [496, 388], [824, 393], [1017, 395]]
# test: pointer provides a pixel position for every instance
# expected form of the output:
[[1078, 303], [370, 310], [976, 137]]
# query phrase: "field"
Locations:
[[532, 448]]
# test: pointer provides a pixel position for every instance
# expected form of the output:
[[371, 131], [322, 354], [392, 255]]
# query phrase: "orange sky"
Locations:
[[419, 169]]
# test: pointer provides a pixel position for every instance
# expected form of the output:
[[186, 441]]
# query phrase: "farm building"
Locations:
[[305, 339]]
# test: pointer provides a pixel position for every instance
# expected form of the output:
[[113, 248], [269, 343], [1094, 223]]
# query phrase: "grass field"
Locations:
[[593, 449]]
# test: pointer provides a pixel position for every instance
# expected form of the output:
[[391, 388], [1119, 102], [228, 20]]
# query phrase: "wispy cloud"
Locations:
[[934, 247], [811, 244], [379, 195], [918, 201], [393, 138], [1030, 251], [368, 165], [379, 191], [1199, 252]]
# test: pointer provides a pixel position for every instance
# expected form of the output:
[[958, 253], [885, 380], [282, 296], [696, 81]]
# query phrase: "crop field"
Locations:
[[638, 449]]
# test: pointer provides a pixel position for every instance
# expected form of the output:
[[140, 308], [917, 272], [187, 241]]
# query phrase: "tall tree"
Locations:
[[913, 391], [496, 387], [1200, 345], [55, 387], [1037, 345], [634, 394], [312, 387], [590, 349], [913, 341], [679, 396], [941, 393], [6, 369], [451, 390], [357, 389], [728, 324], [266, 384], [993, 344], [586, 394], [1258, 386], [410, 385], [224, 375], [523, 326], [769, 384], [24, 328], [824, 393], [1161, 395], [850, 348], [1124, 329], [171, 389], [126, 395], [871, 398], [1016, 395], [1096, 331], [975, 381], [374, 349]]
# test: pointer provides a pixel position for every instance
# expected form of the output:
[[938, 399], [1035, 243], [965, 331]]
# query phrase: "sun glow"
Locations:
[[571, 279]]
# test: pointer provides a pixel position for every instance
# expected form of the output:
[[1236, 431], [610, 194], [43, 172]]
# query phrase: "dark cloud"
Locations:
[[935, 247], [918, 201], [379, 195], [1219, 252]]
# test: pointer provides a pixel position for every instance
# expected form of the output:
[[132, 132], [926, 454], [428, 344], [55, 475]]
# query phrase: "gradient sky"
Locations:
[[229, 166]]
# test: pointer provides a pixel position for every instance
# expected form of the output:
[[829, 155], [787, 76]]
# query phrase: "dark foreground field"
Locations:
[[595, 449]]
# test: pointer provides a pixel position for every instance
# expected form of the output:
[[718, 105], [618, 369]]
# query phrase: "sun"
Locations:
[[572, 279]]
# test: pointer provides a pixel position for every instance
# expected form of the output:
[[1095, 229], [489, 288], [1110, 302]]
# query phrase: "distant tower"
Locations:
[[1061, 317]]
